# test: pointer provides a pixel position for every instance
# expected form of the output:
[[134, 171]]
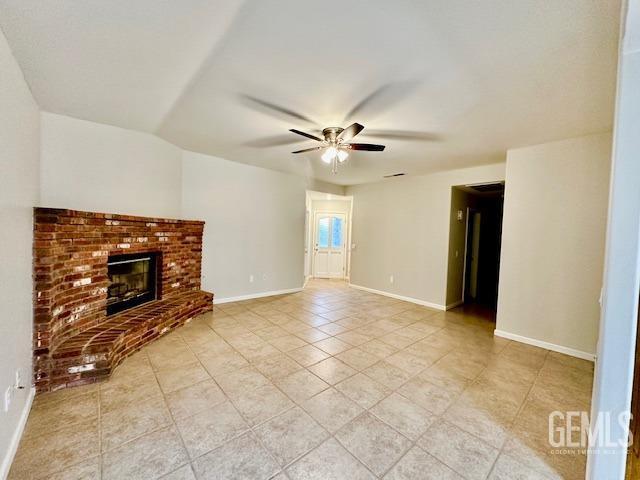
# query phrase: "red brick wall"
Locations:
[[70, 268]]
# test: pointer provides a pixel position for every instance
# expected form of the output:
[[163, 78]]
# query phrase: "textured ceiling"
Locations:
[[473, 78]]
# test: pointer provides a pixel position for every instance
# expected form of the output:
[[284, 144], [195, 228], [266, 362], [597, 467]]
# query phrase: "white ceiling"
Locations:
[[475, 77]]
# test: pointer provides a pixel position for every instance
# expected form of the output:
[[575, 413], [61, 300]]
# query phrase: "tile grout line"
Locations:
[[293, 401], [228, 399], [296, 405], [173, 420], [520, 408], [251, 363], [155, 371]]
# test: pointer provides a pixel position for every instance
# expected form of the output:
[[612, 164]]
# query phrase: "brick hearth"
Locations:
[[74, 340]]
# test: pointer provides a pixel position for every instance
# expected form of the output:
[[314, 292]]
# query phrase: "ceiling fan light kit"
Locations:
[[335, 144]]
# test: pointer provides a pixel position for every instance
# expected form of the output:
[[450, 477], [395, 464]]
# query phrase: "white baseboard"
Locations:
[[17, 435], [455, 304], [400, 297], [549, 346], [255, 295]]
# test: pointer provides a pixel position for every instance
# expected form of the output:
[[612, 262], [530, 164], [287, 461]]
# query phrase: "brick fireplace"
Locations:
[[84, 266]]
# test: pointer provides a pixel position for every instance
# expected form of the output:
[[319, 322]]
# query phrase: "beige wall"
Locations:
[[555, 212], [332, 206], [320, 186], [19, 176], [96, 167], [401, 228], [254, 225], [253, 215]]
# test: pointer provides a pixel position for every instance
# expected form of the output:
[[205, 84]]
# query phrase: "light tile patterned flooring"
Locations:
[[328, 383]]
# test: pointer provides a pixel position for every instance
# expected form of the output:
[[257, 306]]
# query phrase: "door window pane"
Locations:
[[323, 232], [336, 234]]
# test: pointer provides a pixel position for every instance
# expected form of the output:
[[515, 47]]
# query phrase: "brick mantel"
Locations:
[[70, 254]]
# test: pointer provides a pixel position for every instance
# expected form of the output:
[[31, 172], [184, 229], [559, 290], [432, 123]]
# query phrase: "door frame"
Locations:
[[346, 257], [470, 216]]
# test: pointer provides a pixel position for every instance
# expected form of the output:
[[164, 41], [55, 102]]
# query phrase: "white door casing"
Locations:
[[329, 245], [475, 252]]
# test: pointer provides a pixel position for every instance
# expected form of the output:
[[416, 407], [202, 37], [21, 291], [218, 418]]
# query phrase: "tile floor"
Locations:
[[328, 383]]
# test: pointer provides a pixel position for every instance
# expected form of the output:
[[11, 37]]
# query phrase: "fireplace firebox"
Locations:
[[132, 280]]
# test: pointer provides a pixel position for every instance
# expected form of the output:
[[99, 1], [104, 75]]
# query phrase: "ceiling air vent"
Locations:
[[394, 175]]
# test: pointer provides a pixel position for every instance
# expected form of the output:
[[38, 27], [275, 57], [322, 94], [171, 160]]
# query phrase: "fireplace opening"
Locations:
[[133, 281]]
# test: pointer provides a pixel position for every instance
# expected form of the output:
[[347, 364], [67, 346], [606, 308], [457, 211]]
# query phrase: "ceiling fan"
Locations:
[[336, 144]]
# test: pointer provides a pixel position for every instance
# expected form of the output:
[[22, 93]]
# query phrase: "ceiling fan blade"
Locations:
[[383, 98], [304, 134], [307, 150], [271, 108], [402, 135], [371, 147], [350, 132]]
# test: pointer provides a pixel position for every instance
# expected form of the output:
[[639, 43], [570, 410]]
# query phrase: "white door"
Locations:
[[329, 246]]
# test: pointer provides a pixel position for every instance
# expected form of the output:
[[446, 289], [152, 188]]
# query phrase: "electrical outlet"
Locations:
[[264, 276], [391, 279], [251, 278]]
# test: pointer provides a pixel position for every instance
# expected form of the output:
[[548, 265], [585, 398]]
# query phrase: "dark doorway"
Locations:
[[483, 243], [475, 237]]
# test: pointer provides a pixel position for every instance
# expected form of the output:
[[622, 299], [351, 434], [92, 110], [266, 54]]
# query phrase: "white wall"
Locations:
[[555, 211], [324, 187], [19, 175], [401, 228], [96, 167], [331, 206], [254, 225], [617, 341], [252, 214]]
